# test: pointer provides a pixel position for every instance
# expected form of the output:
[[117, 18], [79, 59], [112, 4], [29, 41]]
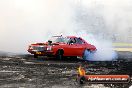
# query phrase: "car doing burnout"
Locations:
[[59, 47]]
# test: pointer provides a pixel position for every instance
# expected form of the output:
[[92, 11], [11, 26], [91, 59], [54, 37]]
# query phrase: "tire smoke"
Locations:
[[104, 47]]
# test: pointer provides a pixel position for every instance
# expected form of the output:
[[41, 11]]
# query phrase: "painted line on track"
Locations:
[[123, 49]]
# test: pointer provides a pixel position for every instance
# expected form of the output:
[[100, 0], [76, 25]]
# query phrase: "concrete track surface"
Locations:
[[24, 71]]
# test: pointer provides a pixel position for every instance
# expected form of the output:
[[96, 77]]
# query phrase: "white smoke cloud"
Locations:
[[116, 14], [104, 47], [28, 21]]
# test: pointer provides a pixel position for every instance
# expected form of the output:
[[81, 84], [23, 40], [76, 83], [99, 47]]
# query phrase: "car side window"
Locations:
[[72, 40], [79, 41]]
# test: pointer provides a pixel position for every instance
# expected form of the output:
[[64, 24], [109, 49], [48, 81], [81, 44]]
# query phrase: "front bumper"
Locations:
[[41, 53]]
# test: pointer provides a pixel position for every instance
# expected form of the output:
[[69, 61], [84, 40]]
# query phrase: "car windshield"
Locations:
[[56, 39]]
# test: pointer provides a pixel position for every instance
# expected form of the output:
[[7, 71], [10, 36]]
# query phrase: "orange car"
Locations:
[[59, 46]]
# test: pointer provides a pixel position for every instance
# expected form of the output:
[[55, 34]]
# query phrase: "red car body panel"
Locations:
[[75, 49]]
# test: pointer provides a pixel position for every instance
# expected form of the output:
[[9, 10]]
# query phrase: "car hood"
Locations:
[[58, 43], [46, 44]]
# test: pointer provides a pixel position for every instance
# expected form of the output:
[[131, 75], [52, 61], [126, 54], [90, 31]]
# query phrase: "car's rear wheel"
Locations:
[[87, 55], [59, 54]]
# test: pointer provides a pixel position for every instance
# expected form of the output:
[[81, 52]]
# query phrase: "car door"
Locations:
[[71, 48], [75, 47], [80, 46]]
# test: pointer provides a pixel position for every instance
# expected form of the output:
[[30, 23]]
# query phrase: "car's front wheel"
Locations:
[[35, 56], [59, 54]]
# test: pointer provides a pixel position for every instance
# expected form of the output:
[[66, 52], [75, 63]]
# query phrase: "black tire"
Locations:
[[35, 56], [87, 55], [59, 55]]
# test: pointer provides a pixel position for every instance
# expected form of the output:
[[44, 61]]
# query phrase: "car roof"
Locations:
[[71, 36], [58, 36], [65, 36]]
